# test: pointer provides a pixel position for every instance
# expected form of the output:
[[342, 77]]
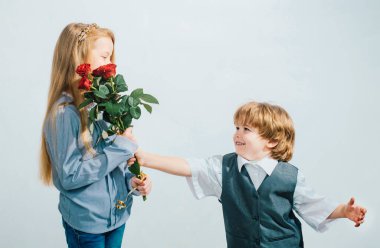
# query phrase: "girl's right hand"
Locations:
[[128, 134]]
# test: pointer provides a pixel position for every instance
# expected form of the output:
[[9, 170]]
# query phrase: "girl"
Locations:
[[91, 177]]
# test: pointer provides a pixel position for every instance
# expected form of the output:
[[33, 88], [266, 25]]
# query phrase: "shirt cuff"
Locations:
[[325, 223], [124, 142], [193, 181]]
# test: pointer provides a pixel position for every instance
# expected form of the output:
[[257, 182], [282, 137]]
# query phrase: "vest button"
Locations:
[[255, 218]]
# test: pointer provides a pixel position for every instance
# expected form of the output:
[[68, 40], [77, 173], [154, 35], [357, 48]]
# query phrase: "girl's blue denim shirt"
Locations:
[[89, 185]]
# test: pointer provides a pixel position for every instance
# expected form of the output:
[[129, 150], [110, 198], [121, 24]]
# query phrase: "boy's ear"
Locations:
[[272, 143]]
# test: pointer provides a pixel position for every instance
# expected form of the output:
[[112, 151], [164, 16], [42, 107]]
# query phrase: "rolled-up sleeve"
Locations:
[[74, 171], [206, 179], [312, 207]]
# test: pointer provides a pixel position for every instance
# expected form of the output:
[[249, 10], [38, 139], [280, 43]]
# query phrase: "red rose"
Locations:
[[83, 70], [105, 71], [84, 83]]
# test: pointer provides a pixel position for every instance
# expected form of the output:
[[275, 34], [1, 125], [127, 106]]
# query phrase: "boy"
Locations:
[[256, 185]]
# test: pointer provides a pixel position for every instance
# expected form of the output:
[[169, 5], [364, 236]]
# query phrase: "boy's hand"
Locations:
[[354, 212], [143, 186], [139, 154]]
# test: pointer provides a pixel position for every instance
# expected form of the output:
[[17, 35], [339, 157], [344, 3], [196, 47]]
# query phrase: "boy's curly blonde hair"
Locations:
[[272, 123]]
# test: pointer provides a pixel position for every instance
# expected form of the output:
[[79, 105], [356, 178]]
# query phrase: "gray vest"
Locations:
[[259, 218]]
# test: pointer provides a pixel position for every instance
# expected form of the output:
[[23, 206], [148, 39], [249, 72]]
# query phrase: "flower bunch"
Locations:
[[105, 91]]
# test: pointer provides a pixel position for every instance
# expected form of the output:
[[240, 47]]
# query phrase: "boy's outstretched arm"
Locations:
[[172, 165], [350, 211]]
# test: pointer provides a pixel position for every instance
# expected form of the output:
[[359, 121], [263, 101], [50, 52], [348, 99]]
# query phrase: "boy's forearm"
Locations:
[[339, 212], [172, 165]]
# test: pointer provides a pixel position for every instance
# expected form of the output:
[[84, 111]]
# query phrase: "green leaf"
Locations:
[[96, 81], [92, 114], [100, 94], [121, 86], [110, 131], [148, 107], [123, 99], [103, 89], [137, 93], [133, 102], [127, 120], [149, 98], [85, 103], [123, 103], [135, 168], [119, 80], [126, 107], [106, 117], [109, 87], [135, 112], [113, 108], [89, 94]]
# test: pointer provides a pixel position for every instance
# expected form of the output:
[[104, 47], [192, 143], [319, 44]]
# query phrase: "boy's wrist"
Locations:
[[343, 211], [140, 155]]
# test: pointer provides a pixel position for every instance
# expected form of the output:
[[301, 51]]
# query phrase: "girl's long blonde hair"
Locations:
[[72, 49]]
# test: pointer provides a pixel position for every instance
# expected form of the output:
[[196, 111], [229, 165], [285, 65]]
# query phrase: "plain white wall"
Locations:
[[202, 59]]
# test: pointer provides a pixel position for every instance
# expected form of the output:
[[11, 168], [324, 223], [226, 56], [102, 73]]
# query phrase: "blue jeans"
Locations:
[[79, 239]]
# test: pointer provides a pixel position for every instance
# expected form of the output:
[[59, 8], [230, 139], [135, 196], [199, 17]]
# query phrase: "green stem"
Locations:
[[121, 124], [113, 86]]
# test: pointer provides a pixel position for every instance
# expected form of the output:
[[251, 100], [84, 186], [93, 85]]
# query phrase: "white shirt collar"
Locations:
[[267, 164]]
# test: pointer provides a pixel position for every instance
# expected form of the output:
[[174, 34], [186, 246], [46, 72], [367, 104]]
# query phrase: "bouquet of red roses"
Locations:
[[106, 92]]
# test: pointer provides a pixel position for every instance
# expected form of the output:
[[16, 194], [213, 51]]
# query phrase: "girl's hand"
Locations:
[[143, 186], [128, 134], [131, 161], [354, 212]]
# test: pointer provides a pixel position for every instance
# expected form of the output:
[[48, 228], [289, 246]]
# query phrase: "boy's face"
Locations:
[[250, 145], [101, 52]]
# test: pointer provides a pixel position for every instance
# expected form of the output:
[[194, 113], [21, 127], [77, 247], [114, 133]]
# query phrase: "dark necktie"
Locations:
[[245, 174]]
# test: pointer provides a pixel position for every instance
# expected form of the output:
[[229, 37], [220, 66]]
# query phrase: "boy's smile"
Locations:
[[250, 145]]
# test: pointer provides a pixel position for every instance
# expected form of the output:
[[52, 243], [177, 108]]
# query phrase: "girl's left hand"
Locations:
[[144, 187]]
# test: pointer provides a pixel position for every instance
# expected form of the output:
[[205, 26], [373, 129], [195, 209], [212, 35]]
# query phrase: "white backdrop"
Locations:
[[202, 59]]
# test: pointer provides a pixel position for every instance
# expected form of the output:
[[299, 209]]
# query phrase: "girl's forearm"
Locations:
[[172, 165]]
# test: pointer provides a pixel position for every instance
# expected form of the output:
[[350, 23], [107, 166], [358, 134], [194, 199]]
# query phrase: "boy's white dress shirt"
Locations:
[[206, 180]]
